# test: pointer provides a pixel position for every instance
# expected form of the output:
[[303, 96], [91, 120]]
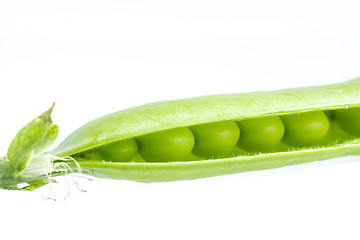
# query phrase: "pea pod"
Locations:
[[187, 113]]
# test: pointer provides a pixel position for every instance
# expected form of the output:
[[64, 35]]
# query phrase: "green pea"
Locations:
[[215, 139], [260, 134], [120, 151], [349, 120], [305, 129], [168, 145]]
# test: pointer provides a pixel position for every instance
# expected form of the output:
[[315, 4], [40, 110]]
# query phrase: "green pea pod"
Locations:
[[162, 116]]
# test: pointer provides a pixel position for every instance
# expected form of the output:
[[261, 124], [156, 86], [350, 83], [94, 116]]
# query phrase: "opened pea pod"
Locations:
[[221, 134]]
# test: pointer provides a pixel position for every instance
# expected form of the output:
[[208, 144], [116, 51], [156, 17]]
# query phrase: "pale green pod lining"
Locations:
[[179, 113]]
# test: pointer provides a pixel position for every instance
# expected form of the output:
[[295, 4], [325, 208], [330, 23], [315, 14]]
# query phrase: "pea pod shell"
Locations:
[[186, 112]]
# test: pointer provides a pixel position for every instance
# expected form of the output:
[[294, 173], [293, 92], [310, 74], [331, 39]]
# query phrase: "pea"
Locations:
[[349, 120], [260, 134], [120, 151], [215, 139], [305, 129], [168, 145]]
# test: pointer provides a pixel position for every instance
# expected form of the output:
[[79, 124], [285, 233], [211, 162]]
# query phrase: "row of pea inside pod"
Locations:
[[218, 139]]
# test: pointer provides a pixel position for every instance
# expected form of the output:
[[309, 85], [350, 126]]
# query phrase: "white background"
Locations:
[[96, 57]]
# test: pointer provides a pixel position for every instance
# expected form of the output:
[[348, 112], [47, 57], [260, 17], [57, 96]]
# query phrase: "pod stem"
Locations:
[[26, 160]]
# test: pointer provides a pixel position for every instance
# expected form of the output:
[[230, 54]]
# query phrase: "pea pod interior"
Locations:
[[329, 137]]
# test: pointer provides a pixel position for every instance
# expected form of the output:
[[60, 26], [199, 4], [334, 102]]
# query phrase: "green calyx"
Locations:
[[25, 160]]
